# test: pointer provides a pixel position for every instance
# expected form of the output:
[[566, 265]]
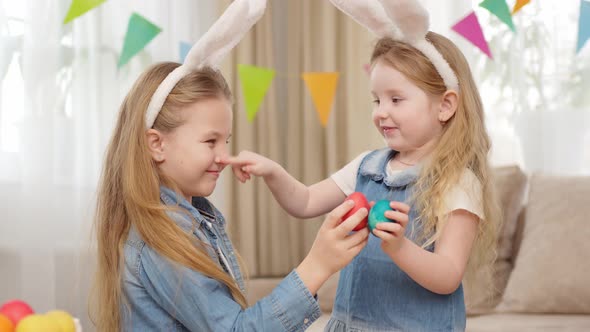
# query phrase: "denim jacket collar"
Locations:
[[375, 167], [199, 208]]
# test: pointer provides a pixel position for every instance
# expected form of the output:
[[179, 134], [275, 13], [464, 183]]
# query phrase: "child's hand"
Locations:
[[334, 246], [249, 163], [392, 233]]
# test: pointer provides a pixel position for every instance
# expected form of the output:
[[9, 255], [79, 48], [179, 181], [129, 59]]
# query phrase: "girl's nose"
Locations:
[[222, 154], [381, 112]]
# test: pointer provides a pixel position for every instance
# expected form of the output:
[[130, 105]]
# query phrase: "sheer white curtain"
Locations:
[[59, 96]]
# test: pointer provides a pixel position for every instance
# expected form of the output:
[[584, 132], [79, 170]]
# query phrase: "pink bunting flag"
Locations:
[[470, 29]]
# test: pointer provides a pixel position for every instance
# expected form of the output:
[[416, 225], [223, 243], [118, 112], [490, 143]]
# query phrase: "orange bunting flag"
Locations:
[[322, 87], [519, 4]]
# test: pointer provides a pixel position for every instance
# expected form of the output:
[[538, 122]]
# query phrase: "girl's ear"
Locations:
[[155, 142], [448, 105]]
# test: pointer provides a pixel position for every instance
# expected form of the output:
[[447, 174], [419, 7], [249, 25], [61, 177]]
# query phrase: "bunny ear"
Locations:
[[413, 21], [223, 35], [221, 38], [409, 16], [370, 14], [229, 30], [404, 20]]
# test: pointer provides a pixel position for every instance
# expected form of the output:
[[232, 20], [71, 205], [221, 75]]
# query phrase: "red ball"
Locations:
[[16, 310], [360, 201]]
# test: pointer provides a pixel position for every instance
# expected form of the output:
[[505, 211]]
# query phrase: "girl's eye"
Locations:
[[376, 101], [396, 100], [211, 141]]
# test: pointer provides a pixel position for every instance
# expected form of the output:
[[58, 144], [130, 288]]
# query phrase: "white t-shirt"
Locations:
[[466, 195]]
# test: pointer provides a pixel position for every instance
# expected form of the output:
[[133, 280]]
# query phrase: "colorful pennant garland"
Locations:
[[255, 81]]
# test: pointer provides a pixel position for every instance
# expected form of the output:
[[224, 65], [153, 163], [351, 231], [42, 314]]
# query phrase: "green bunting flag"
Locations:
[[255, 83], [79, 7], [140, 32]]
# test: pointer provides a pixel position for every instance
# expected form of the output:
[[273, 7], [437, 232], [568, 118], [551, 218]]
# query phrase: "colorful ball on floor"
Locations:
[[63, 319], [16, 310], [6, 324], [36, 323], [377, 213]]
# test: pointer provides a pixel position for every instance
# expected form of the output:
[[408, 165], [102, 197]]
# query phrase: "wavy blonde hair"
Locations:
[[129, 193], [463, 144]]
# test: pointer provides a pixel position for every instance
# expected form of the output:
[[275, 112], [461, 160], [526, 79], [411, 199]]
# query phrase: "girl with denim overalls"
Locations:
[[435, 173]]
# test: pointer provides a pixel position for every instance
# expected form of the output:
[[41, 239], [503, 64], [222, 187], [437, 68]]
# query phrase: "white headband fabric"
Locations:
[[404, 20], [210, 49]]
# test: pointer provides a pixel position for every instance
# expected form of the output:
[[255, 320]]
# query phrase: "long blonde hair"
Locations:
[[463, 144], [129, 193]]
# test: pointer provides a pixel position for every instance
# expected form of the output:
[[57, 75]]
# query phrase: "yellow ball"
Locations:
[[37, 323], [63, 319]]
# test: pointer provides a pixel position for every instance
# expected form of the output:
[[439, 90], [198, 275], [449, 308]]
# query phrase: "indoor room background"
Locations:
[[62, 84]]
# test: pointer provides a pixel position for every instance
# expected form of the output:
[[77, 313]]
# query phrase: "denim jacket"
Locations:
[[373, 293], [164, 296]]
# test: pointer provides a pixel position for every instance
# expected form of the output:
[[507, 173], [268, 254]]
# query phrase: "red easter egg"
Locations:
[[16, 310], [359, 202]]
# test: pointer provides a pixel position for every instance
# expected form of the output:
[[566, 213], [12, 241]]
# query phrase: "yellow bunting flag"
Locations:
[[519, 4], [79, 7], [322, 87], [255, 84]]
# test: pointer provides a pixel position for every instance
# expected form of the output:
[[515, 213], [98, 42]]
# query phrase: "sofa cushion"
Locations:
[[484, 290], [552, 269]]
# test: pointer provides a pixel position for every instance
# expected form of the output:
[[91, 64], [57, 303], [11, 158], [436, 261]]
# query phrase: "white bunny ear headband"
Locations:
[[210, 50], [404, 20]]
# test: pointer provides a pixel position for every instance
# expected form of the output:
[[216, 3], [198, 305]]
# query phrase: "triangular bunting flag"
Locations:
[[470, 28], [583, 25], [518, 5], [183, 50], [255, 84], [79, 7], [140, 32], [500, 9], [322, 87]]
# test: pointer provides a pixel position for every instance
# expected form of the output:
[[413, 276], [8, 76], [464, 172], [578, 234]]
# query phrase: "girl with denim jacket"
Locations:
[[435, 173], [165, 262]]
